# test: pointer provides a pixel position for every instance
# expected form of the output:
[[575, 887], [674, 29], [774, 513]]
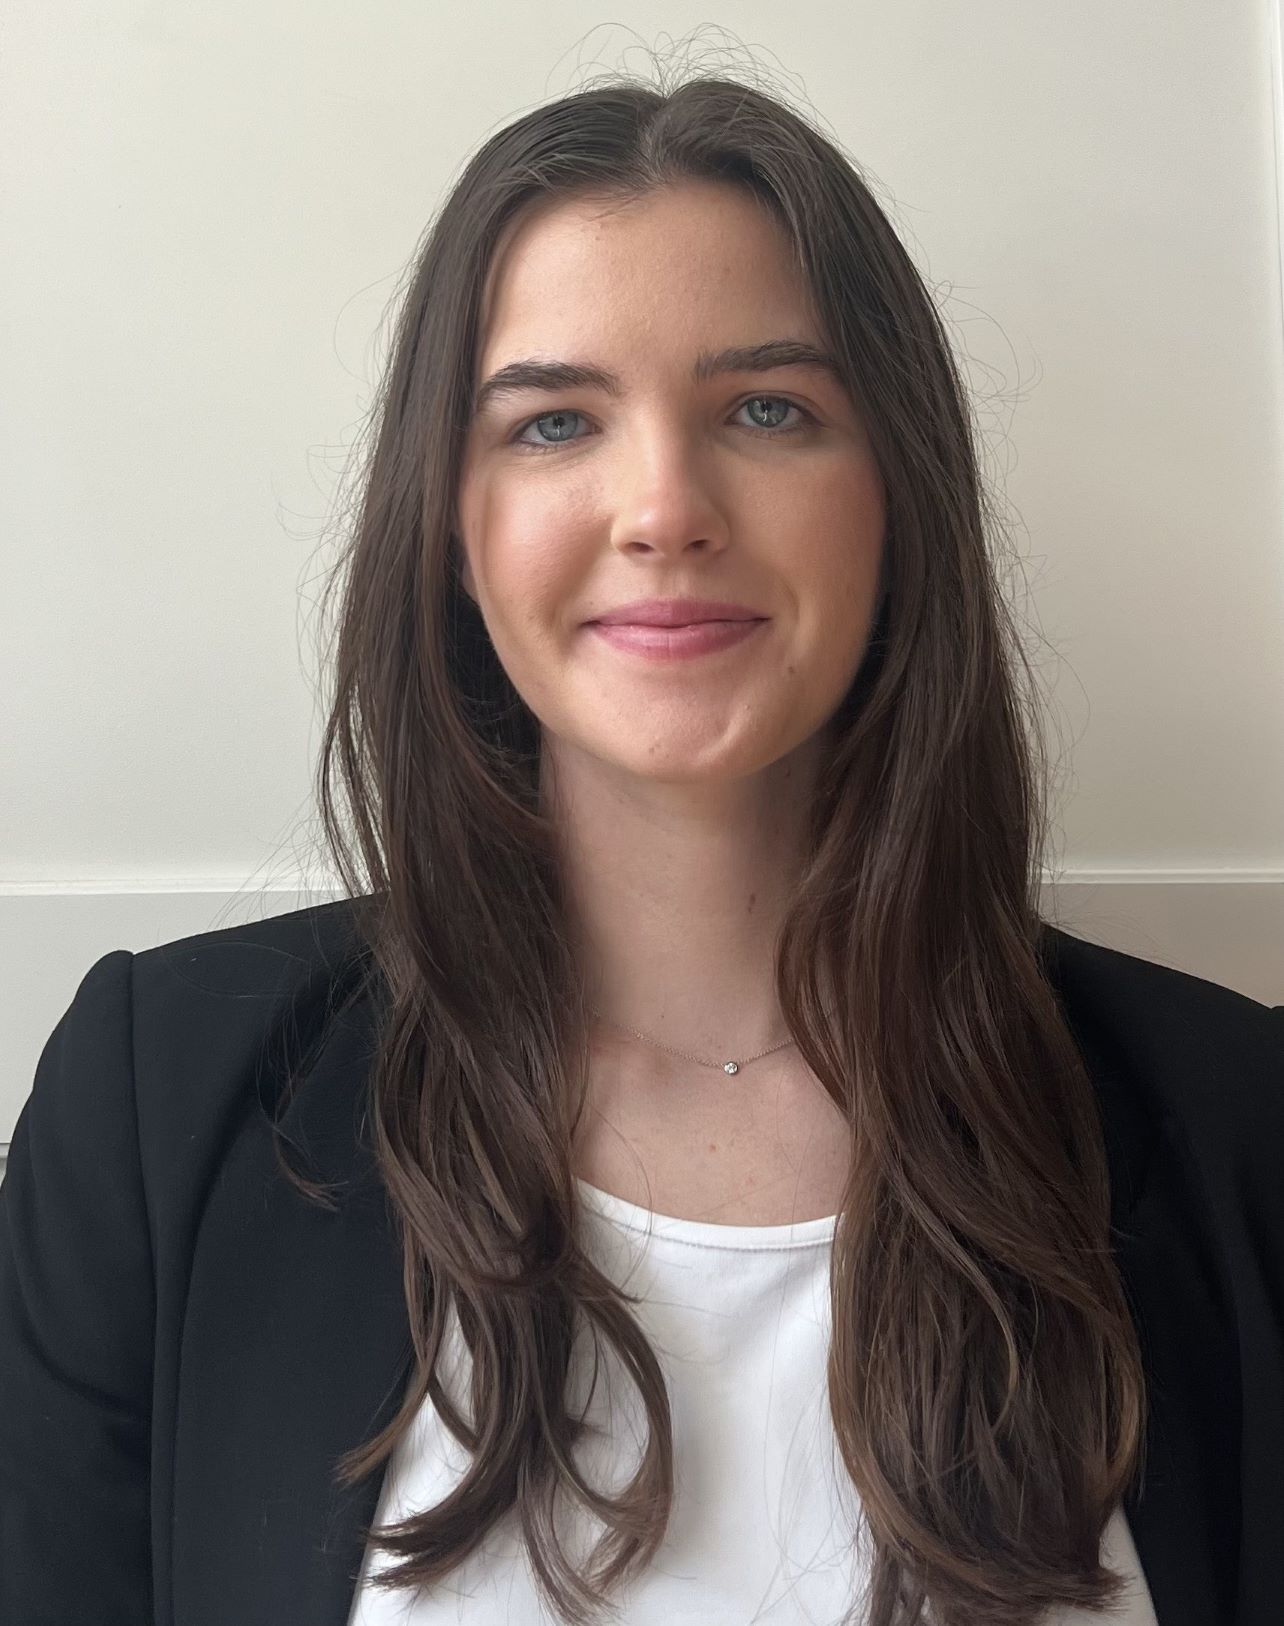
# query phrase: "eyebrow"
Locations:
[[533, 374]]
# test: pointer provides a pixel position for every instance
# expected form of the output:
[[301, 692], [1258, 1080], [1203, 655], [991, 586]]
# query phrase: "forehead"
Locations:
[[684, 261]]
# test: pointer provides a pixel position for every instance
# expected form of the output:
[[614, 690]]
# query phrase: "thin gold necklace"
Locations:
[[722, 1066]]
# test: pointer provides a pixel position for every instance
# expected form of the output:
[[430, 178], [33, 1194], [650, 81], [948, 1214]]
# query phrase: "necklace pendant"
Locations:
[[731, 1066]]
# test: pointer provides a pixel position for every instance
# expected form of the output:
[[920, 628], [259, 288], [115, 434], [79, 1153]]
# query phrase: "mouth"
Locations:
[[676, 612], [695, 621], [679, 642]]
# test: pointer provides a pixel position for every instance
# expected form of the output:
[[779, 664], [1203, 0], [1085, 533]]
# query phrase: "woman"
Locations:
[[688, 1129]]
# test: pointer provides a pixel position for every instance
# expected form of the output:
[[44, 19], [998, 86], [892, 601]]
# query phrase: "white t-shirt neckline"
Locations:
[[705, 1233]]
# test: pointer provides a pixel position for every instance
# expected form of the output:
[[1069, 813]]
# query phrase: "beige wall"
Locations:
[[207, 211]]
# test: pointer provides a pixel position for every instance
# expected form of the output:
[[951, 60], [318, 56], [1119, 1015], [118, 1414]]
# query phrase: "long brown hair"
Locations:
[[984, 1374]]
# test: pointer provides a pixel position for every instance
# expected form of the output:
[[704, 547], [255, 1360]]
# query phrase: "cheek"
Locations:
[[531, 574], [517, 548], [838, 542], [841, 560]]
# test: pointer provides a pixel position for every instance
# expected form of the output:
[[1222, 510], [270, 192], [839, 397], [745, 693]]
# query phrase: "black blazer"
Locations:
[[186, 1345]]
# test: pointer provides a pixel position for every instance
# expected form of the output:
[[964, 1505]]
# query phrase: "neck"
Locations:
[[677, 892]]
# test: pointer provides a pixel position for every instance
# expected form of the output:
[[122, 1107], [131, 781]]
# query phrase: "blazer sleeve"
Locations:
[[77, 1305]]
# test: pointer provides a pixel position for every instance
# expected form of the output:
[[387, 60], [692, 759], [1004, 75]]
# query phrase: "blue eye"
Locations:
[[546, 417], [561, 415], [778, 400]]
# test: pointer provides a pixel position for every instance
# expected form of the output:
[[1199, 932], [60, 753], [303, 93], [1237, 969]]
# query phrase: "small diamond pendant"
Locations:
[[731, 1066]]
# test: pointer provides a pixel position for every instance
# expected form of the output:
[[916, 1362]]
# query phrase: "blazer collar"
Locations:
[[296, 1348]]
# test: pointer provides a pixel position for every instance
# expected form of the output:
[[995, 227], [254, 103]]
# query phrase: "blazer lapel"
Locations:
[[296, 1348], [1183, 1511]]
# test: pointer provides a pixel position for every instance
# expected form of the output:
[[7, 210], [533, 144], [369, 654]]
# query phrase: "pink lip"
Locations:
[[675, 643], [674, 612]]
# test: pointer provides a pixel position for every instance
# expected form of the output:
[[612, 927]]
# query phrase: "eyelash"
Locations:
[[809, 418]]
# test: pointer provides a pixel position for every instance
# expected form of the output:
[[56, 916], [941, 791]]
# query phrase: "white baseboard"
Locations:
[[1225, 925]]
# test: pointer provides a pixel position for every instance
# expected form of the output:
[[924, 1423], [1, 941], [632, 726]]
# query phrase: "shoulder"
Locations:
[[177, 1019], [1207, 1054], [237, 980], [219, 1019], [257, 954]]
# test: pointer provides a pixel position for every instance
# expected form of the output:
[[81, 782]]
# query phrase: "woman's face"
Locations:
[[578, 499]]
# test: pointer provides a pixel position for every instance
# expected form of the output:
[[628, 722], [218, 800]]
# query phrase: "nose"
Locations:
[[666, 503]]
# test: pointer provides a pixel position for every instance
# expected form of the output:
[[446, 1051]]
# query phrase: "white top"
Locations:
[[766, 1526]]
